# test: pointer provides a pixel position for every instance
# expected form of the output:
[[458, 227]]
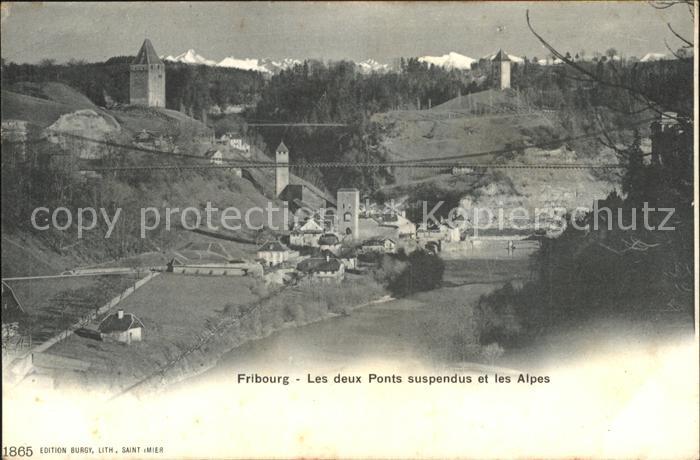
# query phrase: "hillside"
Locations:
[[51, 184], [475, 126], [41, 112], [495, 127]]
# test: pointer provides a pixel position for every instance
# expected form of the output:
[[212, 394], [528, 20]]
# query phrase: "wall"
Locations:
[[156, 86], [138, 85]]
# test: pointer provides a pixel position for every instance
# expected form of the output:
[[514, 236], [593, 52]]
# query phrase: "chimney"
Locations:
[[120, 313]]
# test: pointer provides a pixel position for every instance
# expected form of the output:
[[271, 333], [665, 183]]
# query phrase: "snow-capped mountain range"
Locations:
[[267, 66], [190, 57], [649, 57], [370, 65], [450, 60]]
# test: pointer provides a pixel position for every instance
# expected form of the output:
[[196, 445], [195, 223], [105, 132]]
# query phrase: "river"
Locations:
[[426, 329]]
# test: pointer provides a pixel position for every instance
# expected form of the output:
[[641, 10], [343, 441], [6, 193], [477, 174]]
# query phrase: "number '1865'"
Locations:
[[14, 451]]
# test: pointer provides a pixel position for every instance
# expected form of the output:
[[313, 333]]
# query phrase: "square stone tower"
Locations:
[[348, 216], [500, 70], [147, 78], [282, 169]]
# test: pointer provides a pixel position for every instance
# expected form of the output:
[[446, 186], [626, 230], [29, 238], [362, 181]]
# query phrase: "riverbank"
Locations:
[[431, 329], [191, 321]]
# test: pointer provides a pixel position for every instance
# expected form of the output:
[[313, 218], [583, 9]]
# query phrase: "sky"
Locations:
[[324, 30]]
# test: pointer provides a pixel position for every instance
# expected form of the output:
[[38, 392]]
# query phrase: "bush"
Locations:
[[405, 274], [496, 316], [491, 352]]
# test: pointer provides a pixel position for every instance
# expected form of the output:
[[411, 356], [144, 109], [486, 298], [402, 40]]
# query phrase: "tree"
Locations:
[[658, 265]]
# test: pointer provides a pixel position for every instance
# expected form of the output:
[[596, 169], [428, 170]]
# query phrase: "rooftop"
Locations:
[[113, 323], [332, 265], [501, 57], [282, 148], [273, 246], [147, 55]]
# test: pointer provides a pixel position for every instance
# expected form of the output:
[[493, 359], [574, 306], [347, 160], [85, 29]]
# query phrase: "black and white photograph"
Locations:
[[463, 229]]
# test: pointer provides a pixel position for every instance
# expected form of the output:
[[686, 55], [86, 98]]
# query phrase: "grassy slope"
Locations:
[[43, 104], [484, 122]]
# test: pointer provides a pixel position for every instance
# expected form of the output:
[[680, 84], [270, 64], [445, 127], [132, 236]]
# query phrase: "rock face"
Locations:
[[494, 128], [81, 132]]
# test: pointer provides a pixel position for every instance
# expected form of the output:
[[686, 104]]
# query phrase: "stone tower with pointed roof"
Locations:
[[282, 169], [147, 78], [500, 70]]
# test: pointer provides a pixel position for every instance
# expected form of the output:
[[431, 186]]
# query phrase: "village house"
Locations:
[[306, 235], [123, 327], [235, 141], [329, 270], [273, 253], [215, 156], [444, 231], [404, 227], [349, 260], [379, 245], [220, 156], [329, 242], [461, 170]]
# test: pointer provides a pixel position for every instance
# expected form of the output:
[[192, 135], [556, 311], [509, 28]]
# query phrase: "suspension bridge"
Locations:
[[436, 163], [476, 167]]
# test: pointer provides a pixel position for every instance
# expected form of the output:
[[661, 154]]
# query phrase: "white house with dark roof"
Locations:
[[380, 245], [307, 234], [328, 269], [215, 156], [273, 253], [443, 231], [124, 327]]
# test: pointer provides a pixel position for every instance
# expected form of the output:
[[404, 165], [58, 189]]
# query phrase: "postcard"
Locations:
[[242, 230]]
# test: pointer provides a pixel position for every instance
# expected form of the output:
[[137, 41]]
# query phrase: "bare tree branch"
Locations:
[[688, 44], [644, 98]]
